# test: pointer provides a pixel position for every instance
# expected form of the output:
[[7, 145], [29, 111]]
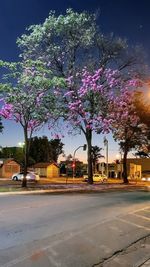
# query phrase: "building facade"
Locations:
[[46, 169], [8, 167]]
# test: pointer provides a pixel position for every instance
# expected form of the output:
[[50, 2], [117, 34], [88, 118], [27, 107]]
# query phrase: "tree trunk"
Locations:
[[125, 176], [89, 154], [26, 150]]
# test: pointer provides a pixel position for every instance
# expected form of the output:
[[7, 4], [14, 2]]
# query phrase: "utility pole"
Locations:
[[106, 144]]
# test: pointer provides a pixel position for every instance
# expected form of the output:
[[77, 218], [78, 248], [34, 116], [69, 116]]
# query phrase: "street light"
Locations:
[[21, 144], [74, 160]]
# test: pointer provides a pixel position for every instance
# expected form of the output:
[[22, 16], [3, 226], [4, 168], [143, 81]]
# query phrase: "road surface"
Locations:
[[104, 229]]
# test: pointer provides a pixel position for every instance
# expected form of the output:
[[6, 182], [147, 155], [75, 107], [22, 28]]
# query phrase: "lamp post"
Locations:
[[74, 160], [106, 144]]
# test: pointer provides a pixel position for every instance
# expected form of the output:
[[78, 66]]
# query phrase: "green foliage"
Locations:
[[13, 152], [55, 149], [68, 42], [96, 155], [43, 150]]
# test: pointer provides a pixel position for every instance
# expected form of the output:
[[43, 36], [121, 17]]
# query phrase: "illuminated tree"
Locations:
[[142, 105], [90, 106], [66, 44], [126, 125]]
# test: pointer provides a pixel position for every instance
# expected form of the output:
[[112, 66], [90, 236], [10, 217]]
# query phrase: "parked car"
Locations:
[[96, 177], [31, 176], [147, 179]]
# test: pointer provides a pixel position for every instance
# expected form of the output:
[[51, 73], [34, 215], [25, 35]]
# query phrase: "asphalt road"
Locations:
[[75, 230]]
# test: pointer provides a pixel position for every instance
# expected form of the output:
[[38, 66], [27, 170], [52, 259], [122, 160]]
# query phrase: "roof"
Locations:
[[6, 160], [44, 164]]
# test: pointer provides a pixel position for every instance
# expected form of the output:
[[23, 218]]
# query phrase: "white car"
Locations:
[[31, 176], [96, 177], [147, 179]]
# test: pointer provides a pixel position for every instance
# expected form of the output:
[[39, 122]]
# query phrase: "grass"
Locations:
[[9, 189]]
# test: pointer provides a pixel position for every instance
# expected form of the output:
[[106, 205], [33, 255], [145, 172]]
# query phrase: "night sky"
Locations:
[[125, 18]]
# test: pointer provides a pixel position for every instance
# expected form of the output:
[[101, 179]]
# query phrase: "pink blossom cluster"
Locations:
[[7, 111], [123, 113], [90, 82], [84, 102], [33, 124]]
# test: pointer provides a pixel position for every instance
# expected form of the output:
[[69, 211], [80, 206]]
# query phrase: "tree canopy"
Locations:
[[44, 150], [72, 71], [67, 44]]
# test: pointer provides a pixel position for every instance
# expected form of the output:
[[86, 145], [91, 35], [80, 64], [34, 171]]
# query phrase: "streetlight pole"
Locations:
[[106, 144], [74, 160]]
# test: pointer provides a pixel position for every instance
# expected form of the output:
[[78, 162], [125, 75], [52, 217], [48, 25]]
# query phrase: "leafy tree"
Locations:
[[26, 99], [7, 152], [55, 149], [69, 42], [88, 107], [96, 155], [127, 127], [39, 149], [142, 154], [44, 150], [13, 152], [66, 44]]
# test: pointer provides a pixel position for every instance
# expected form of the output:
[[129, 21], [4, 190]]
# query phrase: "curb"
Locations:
[[88, 189]]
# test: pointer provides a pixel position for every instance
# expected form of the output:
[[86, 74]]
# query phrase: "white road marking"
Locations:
[[137, 225], [142, 216]]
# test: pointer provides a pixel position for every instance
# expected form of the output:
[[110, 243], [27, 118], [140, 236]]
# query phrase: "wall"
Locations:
[[9, 169], [52, 171]]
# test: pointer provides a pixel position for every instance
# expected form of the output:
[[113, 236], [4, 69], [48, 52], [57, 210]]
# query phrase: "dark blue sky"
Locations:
[[126, 18]]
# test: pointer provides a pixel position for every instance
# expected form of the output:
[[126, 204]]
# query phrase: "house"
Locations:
[[46, 169], [134, 168], [143, 162], [8, 167]]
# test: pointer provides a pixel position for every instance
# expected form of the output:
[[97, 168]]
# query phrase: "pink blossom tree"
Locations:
[[66, 43], [87, 106], [126, 124], [26, 99]]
